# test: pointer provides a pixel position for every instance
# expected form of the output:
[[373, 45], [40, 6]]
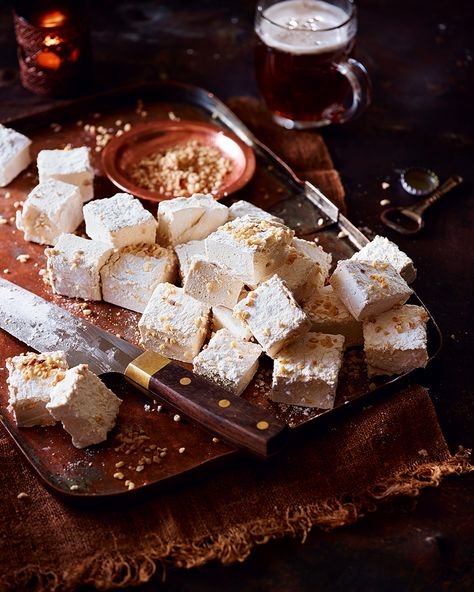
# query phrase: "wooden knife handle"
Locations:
[[232, 418]]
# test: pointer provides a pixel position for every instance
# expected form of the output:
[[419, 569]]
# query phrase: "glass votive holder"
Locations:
[[54, 46]]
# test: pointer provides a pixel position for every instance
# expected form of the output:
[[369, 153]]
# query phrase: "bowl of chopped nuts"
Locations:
[[166, 159]]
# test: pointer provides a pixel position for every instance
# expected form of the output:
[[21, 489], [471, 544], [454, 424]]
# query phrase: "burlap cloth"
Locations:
[[328, 479]]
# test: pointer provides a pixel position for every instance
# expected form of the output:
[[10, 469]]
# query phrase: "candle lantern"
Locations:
[[53, 46]]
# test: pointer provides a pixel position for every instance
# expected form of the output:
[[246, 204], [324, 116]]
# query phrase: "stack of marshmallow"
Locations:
[[244, 275]]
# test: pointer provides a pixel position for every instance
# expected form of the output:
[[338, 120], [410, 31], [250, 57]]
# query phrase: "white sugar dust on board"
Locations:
[[304, 26]]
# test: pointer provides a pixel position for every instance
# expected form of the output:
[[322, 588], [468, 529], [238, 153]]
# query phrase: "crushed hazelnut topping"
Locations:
[[380, 280], [34, 365], [183, 169]]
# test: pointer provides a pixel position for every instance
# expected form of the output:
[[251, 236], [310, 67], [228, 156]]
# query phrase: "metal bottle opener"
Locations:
[[409, 220]]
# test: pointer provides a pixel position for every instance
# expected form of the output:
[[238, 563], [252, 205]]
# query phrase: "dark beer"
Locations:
[[300, 48]]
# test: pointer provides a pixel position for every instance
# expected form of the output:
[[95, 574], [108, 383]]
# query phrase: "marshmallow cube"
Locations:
[[14, 154], [51, 209], [74, 265], [71, 166], [119, 221], [306, 372]]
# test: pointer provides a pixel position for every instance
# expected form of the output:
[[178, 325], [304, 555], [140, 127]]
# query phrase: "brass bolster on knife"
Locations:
[[141, 369]]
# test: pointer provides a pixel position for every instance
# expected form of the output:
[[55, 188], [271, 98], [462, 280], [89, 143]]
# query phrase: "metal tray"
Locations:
[[274, 187]]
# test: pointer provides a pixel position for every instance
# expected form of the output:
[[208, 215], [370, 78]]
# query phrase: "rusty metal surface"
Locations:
[[93, 470]]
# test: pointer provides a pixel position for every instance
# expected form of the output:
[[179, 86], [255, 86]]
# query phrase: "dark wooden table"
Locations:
[[420, 57]]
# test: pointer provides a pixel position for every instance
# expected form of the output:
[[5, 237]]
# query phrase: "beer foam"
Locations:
[[305, 27]]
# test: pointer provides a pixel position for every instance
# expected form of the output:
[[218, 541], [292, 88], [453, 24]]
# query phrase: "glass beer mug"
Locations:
[[304, 67]]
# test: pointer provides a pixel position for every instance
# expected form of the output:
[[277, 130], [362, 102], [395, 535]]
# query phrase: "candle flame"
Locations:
[[51, 40], [54, 18]]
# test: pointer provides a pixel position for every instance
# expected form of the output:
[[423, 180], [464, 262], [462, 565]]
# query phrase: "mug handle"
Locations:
[[359, 80]]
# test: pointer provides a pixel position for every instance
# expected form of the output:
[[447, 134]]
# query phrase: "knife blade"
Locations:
[[45, 326]]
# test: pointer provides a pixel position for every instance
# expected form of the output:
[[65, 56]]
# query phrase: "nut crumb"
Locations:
[[22, 495], [183, 169], [385, 202], [74, 487], [182, 449]]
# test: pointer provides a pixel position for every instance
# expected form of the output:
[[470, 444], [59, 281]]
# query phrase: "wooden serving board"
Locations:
[[90, 472]]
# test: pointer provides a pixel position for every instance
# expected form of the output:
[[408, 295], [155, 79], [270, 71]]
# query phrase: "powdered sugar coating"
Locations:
[[212, 284], [14, 154], [317, 254], [382, 249], [186, 252], [119, 220], [306, 372], [328, 314], [131, 275], [51, 209], [251, 249], [173, 323], [223, 318], [71, 166], [396, 341], [272, 315], [300, 273], [368, 289], [183, 219], [31, 377], [228, 361], [85, 406], [245, 208], [74, 265]]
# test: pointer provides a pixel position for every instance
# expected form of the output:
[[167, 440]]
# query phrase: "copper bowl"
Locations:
[[124, 151]]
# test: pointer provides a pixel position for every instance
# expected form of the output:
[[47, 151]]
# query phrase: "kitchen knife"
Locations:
[[45, 326]]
